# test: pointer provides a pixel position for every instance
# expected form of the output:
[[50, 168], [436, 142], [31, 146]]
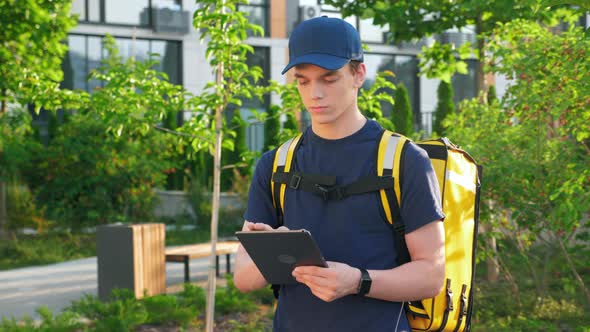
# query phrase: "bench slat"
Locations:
[[200, 250]]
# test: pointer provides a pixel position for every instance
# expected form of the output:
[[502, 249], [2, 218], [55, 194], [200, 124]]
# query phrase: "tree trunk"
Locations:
[[3, 214], [492, 262], [480, 63], [493, 267], [211, 284], [4, 107], [574, 270]]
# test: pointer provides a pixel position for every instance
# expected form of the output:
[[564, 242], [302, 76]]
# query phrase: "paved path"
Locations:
[[56, 286]]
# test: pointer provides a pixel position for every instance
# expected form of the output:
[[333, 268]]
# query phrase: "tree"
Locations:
[[32, 50], [402, 115], [291, 122], [444, 106], [226, 29], [232, 159], [272, 126], [30, 59], [370, 100], [535, 143], [491, 95], [175, 178], [409, 20]]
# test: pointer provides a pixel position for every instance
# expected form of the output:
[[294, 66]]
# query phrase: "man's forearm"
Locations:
[[415, 280], [247, 277]]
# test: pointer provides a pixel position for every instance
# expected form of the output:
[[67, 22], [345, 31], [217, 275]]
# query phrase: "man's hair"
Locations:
[[354, 66]]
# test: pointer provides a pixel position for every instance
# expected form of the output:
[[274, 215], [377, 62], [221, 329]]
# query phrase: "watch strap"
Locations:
[[364, 283]]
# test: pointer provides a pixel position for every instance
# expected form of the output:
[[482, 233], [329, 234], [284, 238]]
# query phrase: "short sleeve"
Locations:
[[260, 208], [420, 201]]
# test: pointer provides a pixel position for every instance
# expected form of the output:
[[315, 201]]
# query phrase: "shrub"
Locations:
[[49, 322], [272, 126], [231, 300], [122, 313], [234, 158], [87, 176], [444, 106], [21, 208], [402, 116], [163, 309]]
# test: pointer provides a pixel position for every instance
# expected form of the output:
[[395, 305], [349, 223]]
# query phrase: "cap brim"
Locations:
[[329, 62]]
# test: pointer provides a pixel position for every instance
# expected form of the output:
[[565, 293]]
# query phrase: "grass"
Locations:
[[50, 248], [30, 250]]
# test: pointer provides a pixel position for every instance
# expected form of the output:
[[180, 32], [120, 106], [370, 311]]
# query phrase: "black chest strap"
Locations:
[[325, 186]]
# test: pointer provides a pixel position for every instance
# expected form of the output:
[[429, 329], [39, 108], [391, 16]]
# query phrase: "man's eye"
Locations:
[[302, 82]]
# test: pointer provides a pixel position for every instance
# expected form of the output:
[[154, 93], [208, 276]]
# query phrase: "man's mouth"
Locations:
[[318, 108]]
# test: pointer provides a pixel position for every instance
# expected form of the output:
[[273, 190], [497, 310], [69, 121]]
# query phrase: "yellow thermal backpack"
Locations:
[[459, 180]]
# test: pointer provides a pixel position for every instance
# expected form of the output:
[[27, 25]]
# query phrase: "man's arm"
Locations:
[[247, 277], [422, 277]]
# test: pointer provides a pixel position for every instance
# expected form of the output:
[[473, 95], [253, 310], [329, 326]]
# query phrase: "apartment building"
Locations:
[[144, 27]]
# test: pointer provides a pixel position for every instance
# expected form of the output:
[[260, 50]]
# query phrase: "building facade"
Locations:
[[143, 28]]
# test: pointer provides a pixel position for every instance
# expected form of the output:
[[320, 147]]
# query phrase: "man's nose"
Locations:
[[317, 91]]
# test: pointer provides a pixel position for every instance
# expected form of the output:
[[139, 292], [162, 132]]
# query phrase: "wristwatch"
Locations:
[[365, 283]]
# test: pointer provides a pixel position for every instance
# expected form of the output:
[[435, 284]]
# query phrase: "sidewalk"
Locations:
[[56, 286]]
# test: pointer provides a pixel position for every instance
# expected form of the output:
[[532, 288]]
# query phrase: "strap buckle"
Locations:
[[328, 193], [463, 306], [295, 181], [449, 296], [323, 191]]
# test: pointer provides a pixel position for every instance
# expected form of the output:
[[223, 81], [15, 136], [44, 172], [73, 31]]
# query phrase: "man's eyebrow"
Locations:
[[326, 74], [330, 73]]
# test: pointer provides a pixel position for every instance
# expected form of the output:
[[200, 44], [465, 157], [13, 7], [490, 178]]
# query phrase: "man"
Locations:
[[352, 233]]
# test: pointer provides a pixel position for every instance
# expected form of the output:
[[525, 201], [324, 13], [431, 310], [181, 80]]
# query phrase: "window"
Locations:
[[404, 67], [465, 85], [128, 12], [258, 13], [79, 8], [370, 33], [86, 52], [255, 131]]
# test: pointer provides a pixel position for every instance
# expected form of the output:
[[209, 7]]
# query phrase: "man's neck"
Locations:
[[344, 126]]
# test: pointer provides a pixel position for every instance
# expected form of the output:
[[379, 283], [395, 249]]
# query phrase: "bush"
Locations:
[[230, 300], [87, 176], [235, 158], [444, 106], [22, 210], [272, 126], [402, 116], [63, 322]]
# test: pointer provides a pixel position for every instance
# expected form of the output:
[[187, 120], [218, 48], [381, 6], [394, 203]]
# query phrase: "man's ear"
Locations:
[[360, 75]]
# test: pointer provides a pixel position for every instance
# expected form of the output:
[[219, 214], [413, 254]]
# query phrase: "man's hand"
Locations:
[[247, 277], [329, 283], [253, 226]]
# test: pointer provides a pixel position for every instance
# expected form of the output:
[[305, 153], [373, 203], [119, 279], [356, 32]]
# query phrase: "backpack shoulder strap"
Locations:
[[389, 156], [282, 163]]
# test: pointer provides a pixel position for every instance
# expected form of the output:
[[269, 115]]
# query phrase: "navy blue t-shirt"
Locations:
[[352, 231]]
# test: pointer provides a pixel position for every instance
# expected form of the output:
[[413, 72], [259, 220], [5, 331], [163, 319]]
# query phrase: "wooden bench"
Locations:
[[183, 254]]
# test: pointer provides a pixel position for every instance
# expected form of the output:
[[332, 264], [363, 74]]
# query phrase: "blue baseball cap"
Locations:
[[326, 42]]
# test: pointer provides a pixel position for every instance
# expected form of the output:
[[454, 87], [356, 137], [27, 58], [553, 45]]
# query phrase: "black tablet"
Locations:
[[277, 253]]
